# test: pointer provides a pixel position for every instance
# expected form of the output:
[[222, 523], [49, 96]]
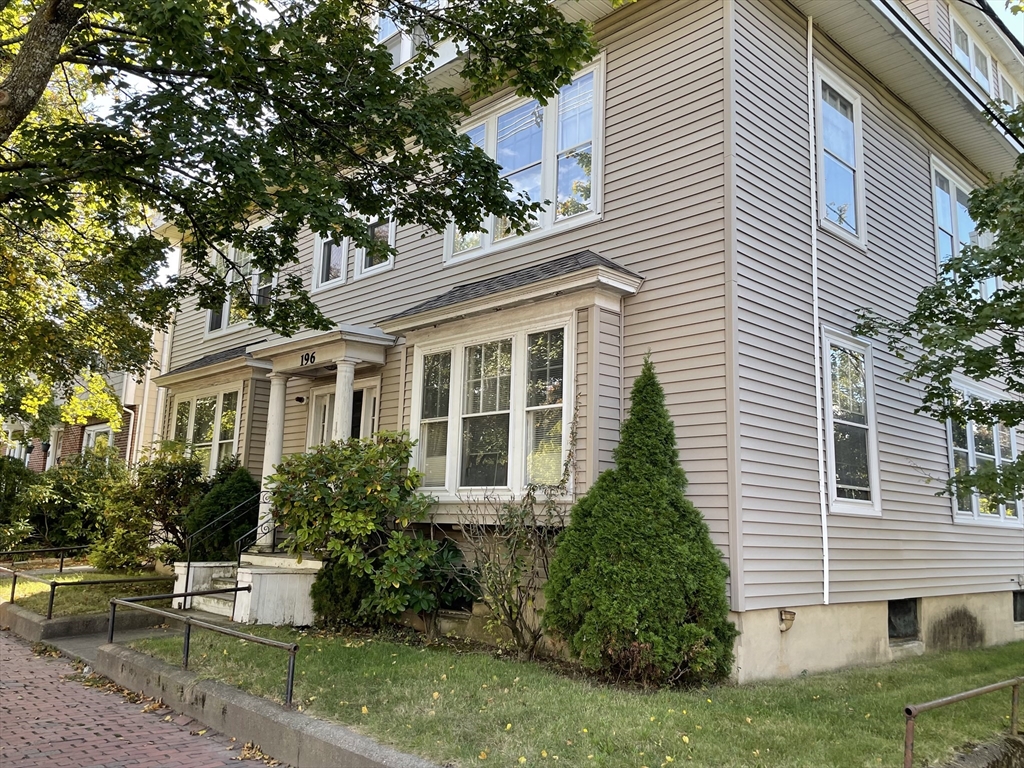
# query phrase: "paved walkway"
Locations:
[[50, 722]]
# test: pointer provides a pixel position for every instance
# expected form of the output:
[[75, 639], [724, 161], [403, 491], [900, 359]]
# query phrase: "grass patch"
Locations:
[[78, 601], [469, 708]]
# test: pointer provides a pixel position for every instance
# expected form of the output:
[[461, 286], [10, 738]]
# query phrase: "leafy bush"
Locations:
[[15, 484], [353, 503], [68, 499], [167, 482], [126, 529], [231, 488], [338, 594], [637, 587]]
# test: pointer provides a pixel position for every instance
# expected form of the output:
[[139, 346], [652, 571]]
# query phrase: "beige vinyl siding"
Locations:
[[662, 217], [583, 411], [922, 9], [914, 549], [390, 391], [941, 28], [407, 379], [781, 525], [255, 425], [608, 386]]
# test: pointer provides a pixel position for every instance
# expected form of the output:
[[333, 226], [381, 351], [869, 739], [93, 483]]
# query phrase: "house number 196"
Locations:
[[308, 358]]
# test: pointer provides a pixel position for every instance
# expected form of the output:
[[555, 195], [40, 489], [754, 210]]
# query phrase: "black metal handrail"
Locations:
[[225, 519], [190, 622], [15, 575], [12, 553], [911, 711]]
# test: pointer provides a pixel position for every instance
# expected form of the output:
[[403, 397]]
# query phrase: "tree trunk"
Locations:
[[36, 60]]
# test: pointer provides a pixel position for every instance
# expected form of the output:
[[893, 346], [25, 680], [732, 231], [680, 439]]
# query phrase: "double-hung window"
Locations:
[[954, 227], [840, 157], [1009, 94], [546, 152], [97, 437], [491, 414], [850, 425], [208, 425], [330, 261], [972, 56], [244, 281], [330, 255], [975, 446]]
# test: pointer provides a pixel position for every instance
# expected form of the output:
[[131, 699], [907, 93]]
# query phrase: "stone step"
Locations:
[[223, 583], [279, 560], [217, 604]]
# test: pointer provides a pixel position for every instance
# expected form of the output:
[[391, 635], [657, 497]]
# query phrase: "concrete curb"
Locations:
[[35, 628], [1008, 752], [291, 737]]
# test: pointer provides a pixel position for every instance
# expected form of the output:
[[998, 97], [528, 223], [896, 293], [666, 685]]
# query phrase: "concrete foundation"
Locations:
[[35, 628], [827, 637]]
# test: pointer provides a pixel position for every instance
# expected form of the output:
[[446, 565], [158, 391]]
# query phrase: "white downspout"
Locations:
[[818, 395]]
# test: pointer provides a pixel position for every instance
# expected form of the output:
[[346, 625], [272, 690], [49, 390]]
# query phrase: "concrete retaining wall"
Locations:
[[289, 736], [35, 628], [1007, 753]]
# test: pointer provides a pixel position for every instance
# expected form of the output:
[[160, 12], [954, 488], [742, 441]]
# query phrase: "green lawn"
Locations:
[[470, 708], [76, 601]]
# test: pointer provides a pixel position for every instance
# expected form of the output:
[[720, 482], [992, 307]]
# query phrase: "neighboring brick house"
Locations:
[[755, 172]]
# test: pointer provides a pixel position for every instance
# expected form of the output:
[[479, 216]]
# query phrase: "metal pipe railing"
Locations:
[[13, 553], [190, 622], [15, 575], [911, 711]]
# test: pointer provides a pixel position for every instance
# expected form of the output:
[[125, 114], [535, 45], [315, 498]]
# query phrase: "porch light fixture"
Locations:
[[300, 399]]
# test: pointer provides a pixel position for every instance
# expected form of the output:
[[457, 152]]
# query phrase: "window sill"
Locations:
[[325, 287], [227, 331], [859, 242], [981, 522], [564, 225], [375, 270], [853, 510]]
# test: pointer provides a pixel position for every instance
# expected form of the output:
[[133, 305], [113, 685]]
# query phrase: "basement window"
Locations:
[[1018, 605], [903, 623]]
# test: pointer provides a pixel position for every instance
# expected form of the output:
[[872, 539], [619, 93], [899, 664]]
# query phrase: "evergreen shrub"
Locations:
[[16, 481], [637, 588], [232, 486], [338, 595]]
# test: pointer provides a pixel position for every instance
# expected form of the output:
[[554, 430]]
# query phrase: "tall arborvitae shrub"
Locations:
[[637, 588]]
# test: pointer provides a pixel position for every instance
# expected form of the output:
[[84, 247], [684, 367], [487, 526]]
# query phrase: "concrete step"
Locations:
[[279, 560], [217, 604], [223, 583]]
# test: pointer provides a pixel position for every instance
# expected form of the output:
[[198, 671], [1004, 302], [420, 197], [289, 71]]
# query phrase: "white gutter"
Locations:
[[819, 418]]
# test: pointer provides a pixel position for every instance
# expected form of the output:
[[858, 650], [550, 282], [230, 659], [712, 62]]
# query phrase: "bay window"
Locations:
[[546, 152], [208, 425], [491, 414]]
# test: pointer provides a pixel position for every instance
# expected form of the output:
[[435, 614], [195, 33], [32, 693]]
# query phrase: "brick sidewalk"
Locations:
[[50, 722]]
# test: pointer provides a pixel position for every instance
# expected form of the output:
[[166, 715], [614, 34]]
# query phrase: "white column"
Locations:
[[56, 436], [342, 429], [273, 448]]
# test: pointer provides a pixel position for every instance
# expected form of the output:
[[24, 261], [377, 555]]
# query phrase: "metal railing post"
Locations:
[[110, 626], [14, 582], [49, 607], [188, 640], [291, 676], [908, 743], [61, 568], [1015, 710]]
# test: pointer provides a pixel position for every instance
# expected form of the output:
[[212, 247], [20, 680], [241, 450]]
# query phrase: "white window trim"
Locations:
[[399, 42], [253, 277], [360, 270], [371, 410], [972, 388], [319, 241], [492, 330], [548, 172], [92, 432], [822, 72], [956, 20], [838, 506], [958, 180], [219, 392]]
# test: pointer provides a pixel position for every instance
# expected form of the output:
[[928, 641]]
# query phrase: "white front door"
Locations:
[[364, 412]]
